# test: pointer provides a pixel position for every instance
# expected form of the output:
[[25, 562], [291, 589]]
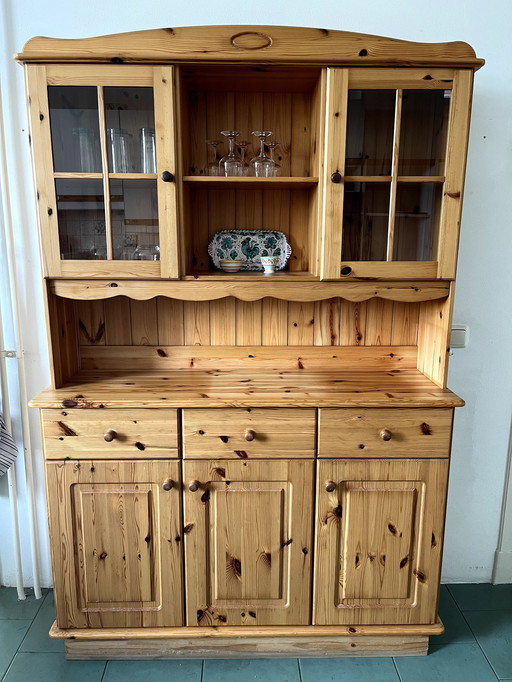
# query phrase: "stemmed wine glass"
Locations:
[[212, 163], [242, 146], [262, 165], [231, 163], [277, 168]]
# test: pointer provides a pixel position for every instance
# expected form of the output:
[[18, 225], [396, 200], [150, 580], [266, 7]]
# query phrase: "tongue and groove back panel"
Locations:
[[229, 322]]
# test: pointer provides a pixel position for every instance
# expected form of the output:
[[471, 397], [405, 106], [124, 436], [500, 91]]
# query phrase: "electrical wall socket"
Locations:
[[460, 336]]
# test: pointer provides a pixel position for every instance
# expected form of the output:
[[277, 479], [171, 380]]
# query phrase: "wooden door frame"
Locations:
[[339, 81], [161, 79]]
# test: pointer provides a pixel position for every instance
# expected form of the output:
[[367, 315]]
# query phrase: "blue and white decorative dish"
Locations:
[[248, 246]]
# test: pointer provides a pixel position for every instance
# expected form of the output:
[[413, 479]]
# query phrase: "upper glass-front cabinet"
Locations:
[[371, 167], [105, 171], [391, 174]]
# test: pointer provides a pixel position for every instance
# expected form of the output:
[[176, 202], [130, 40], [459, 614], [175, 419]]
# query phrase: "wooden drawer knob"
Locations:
[[250, 435], [194, 486], [330, 486], [168, 484], [110, 435], [385, 434], [336, 177]]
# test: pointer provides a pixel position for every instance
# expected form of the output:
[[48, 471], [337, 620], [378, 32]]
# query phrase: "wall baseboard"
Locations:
[[502, 572]]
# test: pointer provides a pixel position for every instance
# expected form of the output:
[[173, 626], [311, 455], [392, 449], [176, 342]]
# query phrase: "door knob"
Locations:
[[110, 435], [167, 176], [194, 486], [168, 484], [336, 177], [250, 435], [330, 486]]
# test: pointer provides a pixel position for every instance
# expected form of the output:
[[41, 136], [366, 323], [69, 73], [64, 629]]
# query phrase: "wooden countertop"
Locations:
[[233, 388]]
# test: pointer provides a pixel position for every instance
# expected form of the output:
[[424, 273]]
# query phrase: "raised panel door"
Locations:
[[248, 542], [379, 539], [115, 532]]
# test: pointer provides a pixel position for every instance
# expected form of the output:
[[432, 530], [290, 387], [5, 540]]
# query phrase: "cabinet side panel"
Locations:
[[434, 329], [63, 331]]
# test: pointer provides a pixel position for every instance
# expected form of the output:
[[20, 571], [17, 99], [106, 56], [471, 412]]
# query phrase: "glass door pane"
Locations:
[[418, 206], [365, 221], [134, 219], [370, 123], [75, 129], [130, 123], [423, 132], [81, 217]]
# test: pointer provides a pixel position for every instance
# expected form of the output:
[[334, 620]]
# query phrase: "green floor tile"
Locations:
[[11, 634], [447, 663], [493, 631], [252, 670], [53, 668], [455, 627], [348, 670], [153, 671], [482, 597], [13, 608], [37, 639]]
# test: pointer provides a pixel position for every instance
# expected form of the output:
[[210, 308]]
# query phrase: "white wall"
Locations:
[[482, 373]]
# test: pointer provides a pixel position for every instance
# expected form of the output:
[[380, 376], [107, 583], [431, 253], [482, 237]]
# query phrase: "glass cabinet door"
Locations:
[[385, 209], [111, 157]]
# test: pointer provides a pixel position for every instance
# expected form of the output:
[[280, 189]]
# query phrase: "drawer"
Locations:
[[110, 433], [408, 432], [248, 433]]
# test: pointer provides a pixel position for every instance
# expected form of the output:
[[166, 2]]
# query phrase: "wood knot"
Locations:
[[420, 575]]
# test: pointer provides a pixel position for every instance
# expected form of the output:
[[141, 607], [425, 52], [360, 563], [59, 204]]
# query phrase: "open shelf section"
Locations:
[[242, 287]]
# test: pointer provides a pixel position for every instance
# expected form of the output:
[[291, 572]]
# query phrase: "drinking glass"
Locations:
[[242, 146], [231, 164], [147, 150], [88, 150], [277, 168], [147, 252], [262, 165], [119, 152], [212, 162]]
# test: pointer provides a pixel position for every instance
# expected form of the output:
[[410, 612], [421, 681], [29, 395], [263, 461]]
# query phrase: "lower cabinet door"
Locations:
[[379, 541], [115, 532], [248, 542]]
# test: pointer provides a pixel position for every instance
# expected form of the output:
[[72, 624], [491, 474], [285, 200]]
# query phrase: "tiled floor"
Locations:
[[476, 647]]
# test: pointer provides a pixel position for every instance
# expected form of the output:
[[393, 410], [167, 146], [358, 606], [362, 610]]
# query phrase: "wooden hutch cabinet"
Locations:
[[240, 464]]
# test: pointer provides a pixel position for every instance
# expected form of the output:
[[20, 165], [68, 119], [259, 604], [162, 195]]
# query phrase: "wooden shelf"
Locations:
[[258, 276], [250, 182], [285, 288], [287, 388], [99, 176]]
